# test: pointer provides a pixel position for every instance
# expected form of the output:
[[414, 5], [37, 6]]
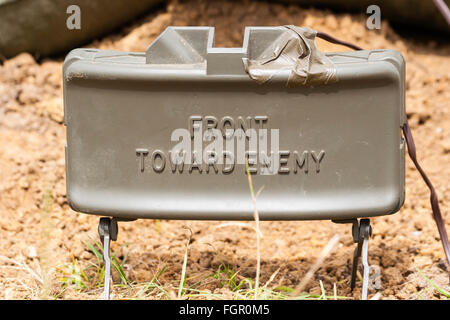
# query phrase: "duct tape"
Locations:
[[295, 50]]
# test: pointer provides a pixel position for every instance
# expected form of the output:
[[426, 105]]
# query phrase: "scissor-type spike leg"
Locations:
[[365, 231], [366, 268], [361, 233], [356, 256], [107, 258], [107, 230]]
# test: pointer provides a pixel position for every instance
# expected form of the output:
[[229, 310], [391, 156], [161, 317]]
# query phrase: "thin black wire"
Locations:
[[329, 38]]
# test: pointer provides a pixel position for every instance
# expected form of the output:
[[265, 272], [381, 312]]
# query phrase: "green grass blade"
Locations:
[[434, 285], [183, 270]]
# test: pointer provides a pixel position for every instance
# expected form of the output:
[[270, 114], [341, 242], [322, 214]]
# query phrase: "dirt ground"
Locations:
[[41, 237]]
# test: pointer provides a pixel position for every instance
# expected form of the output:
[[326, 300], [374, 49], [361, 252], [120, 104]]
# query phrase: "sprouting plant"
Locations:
[[258, 232], [153, 284], [82, 279], [74, 275], [443, 292], [97, 250], [183, 269]]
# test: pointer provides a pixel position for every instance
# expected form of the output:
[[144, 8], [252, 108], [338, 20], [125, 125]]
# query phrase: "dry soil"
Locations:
[[40, 236]]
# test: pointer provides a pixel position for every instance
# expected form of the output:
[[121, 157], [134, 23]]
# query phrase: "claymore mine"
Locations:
[[171, 133]]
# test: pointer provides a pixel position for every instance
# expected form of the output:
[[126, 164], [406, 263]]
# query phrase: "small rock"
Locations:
[[23, 183], [23, 59], [86, 255], [31, 252], [446, 146]]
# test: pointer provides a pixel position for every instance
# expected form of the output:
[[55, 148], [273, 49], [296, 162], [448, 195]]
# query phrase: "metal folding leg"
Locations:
[[361, 233], [356, 255], [108, 231], [364, 232], [366, 267]]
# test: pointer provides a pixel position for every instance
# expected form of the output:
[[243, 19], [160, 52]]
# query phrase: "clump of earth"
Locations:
[[42, 238]]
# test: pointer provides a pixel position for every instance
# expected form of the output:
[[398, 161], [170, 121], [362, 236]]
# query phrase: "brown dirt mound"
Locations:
[[45, 235]]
